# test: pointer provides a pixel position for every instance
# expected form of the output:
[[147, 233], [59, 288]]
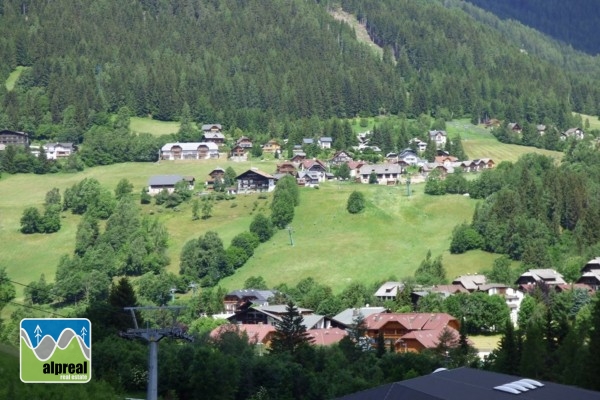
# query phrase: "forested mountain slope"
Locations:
[[254, 64], [573, 22]]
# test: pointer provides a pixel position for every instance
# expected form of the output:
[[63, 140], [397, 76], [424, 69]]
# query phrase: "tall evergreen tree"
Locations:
[[290, 332]]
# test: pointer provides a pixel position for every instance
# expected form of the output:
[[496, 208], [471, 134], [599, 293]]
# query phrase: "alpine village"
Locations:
[[300, 199]]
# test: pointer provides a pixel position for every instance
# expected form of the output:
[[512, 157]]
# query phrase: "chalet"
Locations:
[[410, 332], [515, 127], [244, 142], [189, 151], [438, 137], [472, 384], [271, 147], [445, 160], [389, 291], [270, 314], [492, 123], [313, 166], [254, 180], [354, 167], [340, 157], [214, 175], [428, 168], [14, 138], [54, 151], [529, 279], [590, 274], [309, 179], [575, 133], [287, 168], [158, 183], [387, 174], [345, 319], [325, 142], [238, 299], [298, 157], [420, 145], [409, 157], [297, 149], [470, 282], [541, 129]]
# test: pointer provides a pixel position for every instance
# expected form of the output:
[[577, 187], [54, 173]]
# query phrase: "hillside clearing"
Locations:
[[361, 31], [14, 77], [152, 126]]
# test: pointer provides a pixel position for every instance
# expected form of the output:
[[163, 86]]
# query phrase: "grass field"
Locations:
[[152, 126], [592, 119], [389, 239], [13, 77]]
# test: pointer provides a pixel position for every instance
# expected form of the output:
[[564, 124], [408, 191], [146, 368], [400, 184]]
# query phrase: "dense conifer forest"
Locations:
[[570, 22], [253, 65]]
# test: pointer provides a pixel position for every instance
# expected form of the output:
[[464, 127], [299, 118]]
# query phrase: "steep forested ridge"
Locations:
[[248, 64], [573, 22]]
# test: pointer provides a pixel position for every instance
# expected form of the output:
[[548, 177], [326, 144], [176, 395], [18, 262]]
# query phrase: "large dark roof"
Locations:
[[468, 384]]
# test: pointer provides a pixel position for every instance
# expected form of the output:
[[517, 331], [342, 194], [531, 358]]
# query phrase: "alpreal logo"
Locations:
[[56, 350]]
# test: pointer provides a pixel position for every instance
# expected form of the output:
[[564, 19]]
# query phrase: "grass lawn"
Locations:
[[13, 77], [390, 238], [593, 120], [152, 126], [479, 142], [485, 342]]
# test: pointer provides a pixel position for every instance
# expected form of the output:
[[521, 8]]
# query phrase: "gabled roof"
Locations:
[[411, 321], [347, 316], [470, 282], [164, 180], [325, 139], [259, 296], [469, 384], [213, 135], [381, 169], [435, 133], [326, 337], [207, 127], [307, 164], [593, 264], [389, 289], [190, 146], [308, 140], [256, 171]]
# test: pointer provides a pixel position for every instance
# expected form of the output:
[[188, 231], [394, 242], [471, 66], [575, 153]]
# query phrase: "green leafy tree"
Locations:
[[124, 188], [465, 238], [373, 178], [262, 227], [434, 184], [195, 210], [51, 220], [31, 221], [207, 207], [7, 289], [501, 271], [356, 202], [282, 209], [343, 172], [431, 272], [38, 292], [290, 333], [255, 282]]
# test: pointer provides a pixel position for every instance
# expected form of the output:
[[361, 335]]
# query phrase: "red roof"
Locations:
[[411, 321], [326, 337]]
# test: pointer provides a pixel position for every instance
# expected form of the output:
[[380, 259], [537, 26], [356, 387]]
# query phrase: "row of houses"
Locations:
[[575, 133], [249, 311]]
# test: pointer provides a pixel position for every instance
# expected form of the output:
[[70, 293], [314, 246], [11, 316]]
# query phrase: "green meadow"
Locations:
[[390, 238], [152, 126]]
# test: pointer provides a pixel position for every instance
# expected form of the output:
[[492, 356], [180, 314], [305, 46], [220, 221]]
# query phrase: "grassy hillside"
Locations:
[[152, 126], [479, 142], [13, 77], [390, 238]]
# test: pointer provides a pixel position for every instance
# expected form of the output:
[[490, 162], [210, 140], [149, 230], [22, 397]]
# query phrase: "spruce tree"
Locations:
[[290, 332]]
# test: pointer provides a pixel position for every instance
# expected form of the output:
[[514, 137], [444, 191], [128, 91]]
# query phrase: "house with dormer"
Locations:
[[410, 332], [189, 151], [255, 180], [438, 137], [339, 158]]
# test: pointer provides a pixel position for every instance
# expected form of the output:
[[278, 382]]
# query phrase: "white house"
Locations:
[[189, 151], [439, 138]]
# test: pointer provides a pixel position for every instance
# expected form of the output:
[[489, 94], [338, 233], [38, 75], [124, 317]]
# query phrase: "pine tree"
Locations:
[[592, 363], [290, 332]]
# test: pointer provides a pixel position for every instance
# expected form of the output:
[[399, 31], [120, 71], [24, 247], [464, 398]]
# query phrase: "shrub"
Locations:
[[356, 202]]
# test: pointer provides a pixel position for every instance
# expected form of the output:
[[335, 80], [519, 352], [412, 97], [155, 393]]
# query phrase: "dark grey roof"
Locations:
[[162, 180], [468, 384]]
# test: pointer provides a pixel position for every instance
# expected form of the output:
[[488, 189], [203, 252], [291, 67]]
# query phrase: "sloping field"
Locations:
[[152, 126]]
